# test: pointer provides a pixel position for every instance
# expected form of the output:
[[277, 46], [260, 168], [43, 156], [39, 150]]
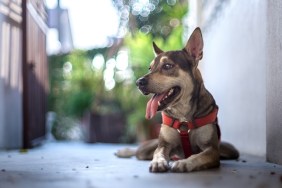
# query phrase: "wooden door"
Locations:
[[35, 72]]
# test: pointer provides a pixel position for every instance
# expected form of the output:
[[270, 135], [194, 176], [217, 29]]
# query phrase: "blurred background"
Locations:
[[96, 52], [68, 68]]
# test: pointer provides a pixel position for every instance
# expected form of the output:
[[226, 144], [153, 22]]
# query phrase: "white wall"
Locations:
[[2, 110], [11, 126], [10, 117], [234, 71]]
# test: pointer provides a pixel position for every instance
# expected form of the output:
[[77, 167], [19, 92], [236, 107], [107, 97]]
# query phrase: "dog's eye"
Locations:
[[167, 66], [150, 68]]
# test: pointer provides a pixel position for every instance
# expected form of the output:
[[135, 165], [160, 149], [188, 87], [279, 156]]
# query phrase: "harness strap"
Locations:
[[186, 145], [184, 127]]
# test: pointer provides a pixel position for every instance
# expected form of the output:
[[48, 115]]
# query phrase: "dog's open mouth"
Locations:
[[160, 101]]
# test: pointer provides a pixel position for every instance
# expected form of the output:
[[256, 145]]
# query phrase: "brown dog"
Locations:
[[189, 112]]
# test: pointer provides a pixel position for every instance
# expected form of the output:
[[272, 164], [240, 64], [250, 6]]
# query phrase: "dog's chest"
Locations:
[[203, 137]]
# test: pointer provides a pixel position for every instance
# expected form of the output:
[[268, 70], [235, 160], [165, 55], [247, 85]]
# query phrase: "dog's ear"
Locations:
[[195, 44], [157, 50]]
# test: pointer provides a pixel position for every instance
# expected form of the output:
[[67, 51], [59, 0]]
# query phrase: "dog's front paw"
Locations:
[[181, 166], [160, 165]]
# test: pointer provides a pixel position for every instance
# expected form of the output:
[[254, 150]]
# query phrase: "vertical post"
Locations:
[[25, 76], [273, 83]]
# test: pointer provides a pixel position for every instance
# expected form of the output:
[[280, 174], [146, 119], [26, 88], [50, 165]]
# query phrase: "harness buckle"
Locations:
[[183, 128]]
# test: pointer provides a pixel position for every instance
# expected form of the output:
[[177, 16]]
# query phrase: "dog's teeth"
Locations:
[[170, 92], [159, 103]]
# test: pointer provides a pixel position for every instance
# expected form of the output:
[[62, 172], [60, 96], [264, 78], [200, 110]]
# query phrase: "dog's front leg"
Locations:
[[209, 158], [160, 159], [168, 139], [206, 139]]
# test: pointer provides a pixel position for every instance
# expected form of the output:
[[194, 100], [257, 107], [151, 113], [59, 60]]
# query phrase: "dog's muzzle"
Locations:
[[142, 83]]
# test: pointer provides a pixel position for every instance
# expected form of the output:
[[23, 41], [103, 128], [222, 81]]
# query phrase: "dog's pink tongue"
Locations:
[[152, 105]]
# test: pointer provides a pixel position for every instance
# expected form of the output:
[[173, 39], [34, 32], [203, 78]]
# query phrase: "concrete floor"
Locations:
[[80, 165]]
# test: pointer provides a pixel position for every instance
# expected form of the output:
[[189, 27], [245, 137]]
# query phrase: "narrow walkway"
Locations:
[[79, 165]]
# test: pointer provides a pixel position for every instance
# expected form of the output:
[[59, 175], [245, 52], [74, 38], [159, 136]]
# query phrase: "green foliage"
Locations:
[[141, 50], [78, 102], [177, 11], [157, 17], [74, 84]]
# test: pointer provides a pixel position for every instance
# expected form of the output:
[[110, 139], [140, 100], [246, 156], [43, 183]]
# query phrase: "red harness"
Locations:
[[184, 127]]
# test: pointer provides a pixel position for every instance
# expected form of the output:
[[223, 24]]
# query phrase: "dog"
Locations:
[[189, 131]]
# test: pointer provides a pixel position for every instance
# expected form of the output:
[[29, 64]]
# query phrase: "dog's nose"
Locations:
[[141, 82]]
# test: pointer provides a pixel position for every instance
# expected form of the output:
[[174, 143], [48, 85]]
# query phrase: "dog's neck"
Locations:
[[197, 105]]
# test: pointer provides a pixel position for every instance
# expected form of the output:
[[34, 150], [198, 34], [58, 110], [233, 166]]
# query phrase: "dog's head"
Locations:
[[172, 76]]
